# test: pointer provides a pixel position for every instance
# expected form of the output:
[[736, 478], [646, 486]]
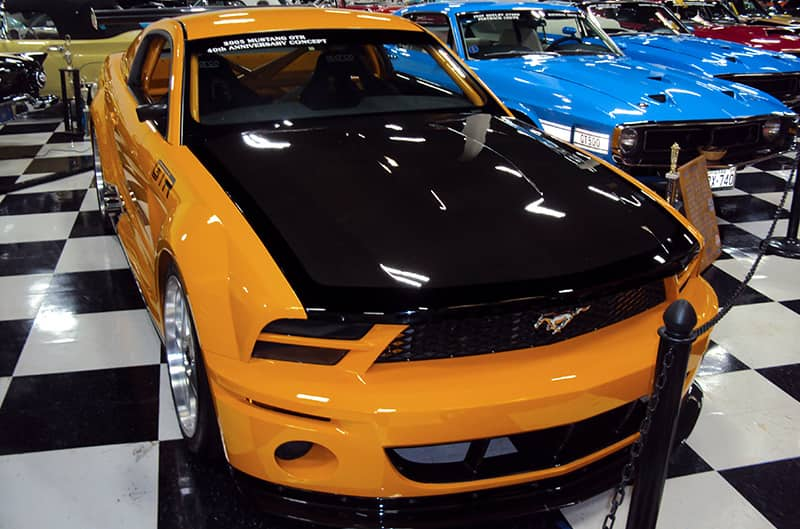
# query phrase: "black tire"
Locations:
[[204, 439]]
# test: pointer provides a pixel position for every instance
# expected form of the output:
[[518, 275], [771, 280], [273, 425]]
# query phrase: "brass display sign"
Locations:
[[698, 203]]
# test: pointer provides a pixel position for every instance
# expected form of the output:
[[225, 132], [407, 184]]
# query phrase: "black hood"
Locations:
[[385, 214]]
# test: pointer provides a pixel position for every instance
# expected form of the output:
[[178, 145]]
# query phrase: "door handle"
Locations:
[[57, 49]]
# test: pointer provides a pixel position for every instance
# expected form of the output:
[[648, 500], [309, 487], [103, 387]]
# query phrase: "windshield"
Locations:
[[497, 34], [288, 75], [618, 19], [704, 14], [751, 8]]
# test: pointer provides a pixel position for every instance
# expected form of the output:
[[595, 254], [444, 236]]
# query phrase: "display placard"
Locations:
[[698, 203]]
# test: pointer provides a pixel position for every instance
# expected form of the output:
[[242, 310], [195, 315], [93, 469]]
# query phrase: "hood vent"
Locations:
[[656, 77], [729, 93], [659, 98], [731, 58]]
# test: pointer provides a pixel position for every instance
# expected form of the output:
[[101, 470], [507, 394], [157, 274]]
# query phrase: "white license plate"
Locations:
[[722, 178]]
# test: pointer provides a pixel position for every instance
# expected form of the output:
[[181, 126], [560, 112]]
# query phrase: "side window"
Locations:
[[150, 74], [436, 23], [29, 25]]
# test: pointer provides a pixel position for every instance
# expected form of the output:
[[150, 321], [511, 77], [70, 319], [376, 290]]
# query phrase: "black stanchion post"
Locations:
[[673, 356], [787, 246]]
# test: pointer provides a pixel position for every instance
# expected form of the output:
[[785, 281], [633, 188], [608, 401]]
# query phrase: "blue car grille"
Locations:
[[497, 330], [785, 88]]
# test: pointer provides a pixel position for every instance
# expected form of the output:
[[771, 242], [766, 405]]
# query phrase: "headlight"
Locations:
[[318, 350], [41, 79], [628, 139], [771, 128]]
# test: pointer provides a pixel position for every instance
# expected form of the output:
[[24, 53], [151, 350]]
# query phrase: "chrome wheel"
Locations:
[[182, 357]]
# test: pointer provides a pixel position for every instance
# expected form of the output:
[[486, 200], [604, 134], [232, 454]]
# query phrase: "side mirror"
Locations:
[[569, 30], [151, 112]]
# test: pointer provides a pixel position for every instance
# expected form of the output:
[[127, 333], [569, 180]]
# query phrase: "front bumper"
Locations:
[[452, 510], [352, 417]]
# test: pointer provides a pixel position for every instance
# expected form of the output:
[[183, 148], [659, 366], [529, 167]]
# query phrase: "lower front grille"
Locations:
[[517, 453], [499, 330]]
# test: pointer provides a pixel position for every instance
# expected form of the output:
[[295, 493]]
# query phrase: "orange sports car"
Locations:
[[369, 279]]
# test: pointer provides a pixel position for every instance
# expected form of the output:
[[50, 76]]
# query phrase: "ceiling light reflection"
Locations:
[[409, 139], [537, 208], [259, 142], [403, 276]]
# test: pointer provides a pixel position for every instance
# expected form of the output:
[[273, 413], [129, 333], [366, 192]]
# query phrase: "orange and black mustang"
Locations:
[[371, 281]]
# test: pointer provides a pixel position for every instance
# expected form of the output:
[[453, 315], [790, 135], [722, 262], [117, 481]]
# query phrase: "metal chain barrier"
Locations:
[[636, 448]]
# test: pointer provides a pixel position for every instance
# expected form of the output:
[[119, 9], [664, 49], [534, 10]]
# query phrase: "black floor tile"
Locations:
[[685, 461], [785, 377], [96, 291], [794, 305], [61, 165], [725, 285], [194, 493], [772, 488], [29, 257], [26, 128], [90, 224], [775, 164], [13, 334], [65, 137], [735, 237], [17, 152], [745, 208], [86, 408], [718, 360], [44, 202], [6, 182], [759, 183]]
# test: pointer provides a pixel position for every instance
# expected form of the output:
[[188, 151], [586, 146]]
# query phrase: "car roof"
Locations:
[[258, 19], [471, 7]]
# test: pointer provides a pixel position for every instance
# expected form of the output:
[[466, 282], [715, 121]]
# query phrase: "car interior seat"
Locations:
[[218, 87], [340, 80]]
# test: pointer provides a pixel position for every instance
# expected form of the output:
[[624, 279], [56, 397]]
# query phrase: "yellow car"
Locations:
[[369, 279], [55, 28]]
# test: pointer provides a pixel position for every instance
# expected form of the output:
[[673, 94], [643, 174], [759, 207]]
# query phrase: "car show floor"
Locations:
[[88, 436]]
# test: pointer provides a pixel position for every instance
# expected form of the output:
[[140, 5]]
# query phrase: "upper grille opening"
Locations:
[[521, 328]]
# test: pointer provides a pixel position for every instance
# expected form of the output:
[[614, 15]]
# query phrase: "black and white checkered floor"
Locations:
[[88, 438]]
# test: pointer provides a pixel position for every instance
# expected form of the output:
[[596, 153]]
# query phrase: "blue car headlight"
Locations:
[[771, 129], [628, 140]]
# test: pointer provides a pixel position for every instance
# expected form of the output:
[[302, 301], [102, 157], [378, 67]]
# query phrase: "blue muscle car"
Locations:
[[651, 33], [553, 66]]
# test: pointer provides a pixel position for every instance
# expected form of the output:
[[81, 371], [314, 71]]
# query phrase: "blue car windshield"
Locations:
[[498, 34]]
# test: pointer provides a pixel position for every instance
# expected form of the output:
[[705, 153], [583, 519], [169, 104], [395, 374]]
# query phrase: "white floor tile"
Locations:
[[14, 167], [729, 192], [698, 501], [4, 383], [777, 278], [761, 334], [60, 128], [168, 427], [61, 342], [85, 488], [60, 150], [742, 391], [759, 228], [77, 182], [37, 227], [775, 198], [90, 201], [729, 440], [91, 253], [32, 138], [22, 295]]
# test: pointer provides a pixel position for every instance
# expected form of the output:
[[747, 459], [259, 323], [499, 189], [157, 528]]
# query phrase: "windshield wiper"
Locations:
[[507, 52]]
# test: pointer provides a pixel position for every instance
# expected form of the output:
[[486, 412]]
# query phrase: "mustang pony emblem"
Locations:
[[555, 323]]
